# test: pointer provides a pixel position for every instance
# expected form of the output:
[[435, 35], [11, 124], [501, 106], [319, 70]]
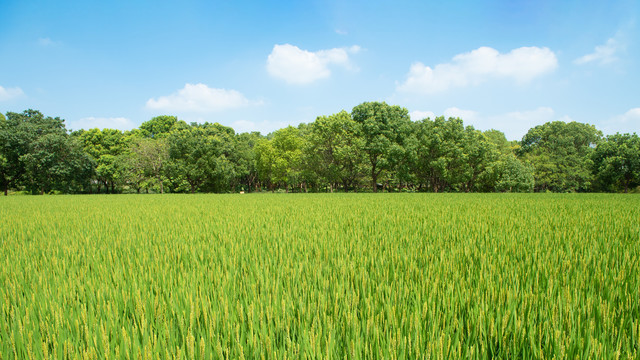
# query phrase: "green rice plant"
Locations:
[[329, 276]]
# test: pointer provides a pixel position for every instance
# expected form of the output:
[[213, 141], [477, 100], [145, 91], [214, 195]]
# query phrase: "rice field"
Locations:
[[331, 276]]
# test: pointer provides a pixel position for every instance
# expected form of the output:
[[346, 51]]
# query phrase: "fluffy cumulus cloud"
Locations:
[[7, 94], [466, 115], [632, 116], [514, 124], [420, 115], [629, 122], [264, 126], [91, 122], [199, 98], [605, 53], [475, 67], [298, 66]]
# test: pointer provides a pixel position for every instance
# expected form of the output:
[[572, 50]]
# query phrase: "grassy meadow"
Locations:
[[329, 276]]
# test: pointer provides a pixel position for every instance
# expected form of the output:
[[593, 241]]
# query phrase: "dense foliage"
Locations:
[[355, 276], [376, 146]]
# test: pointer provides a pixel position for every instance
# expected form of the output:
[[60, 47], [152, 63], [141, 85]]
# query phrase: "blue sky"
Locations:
[[253, 65]]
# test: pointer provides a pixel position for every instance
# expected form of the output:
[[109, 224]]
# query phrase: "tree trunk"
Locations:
[[161, 185], [374, 178], [626, 186], [6, 189]]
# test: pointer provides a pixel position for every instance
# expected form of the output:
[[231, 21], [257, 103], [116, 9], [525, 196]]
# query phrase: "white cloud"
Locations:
[[47, 42], [91, 122], [632, 115], [297, 66], [466, 115], [475, 67], [603, 54], [199, 98], [264, 127], [420, 115], [514, 124], [629, 122], [7, 94]]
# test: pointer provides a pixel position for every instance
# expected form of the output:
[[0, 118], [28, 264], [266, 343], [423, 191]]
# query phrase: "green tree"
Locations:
[[279, 160], [150, 157], [514, 175], [482, 158], [38, 154], [497, 137], [265, 158], [561, 155], [333, 150], [159, 126], [616, 162], [384, 129], [56, 162], [440, 158], [5, 165], [287, 144], [244, 158], [107, 148], [202, 153]]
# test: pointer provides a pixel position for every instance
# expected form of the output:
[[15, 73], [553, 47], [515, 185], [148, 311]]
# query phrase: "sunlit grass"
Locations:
[[320, 276]]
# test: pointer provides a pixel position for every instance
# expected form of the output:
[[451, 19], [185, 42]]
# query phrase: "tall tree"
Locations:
[[37, 152], [5, 165], [56, 162], [616, 162], [561, 155], [440, 158], [159, 126], [106, 148], [482, 160], [279, 160], [333, 150], [244, 158], [513, 175], [384, 129], [287, 144], [498, 138], [265, 160], [151, 155], [202, 154]]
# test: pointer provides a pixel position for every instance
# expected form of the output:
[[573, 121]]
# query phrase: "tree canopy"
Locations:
[[375, 146], [561, 155]]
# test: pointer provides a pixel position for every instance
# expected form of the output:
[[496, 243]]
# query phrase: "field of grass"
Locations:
[[320, 276]]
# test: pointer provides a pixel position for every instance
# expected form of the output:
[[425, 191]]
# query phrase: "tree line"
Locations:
[[376, 147]]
